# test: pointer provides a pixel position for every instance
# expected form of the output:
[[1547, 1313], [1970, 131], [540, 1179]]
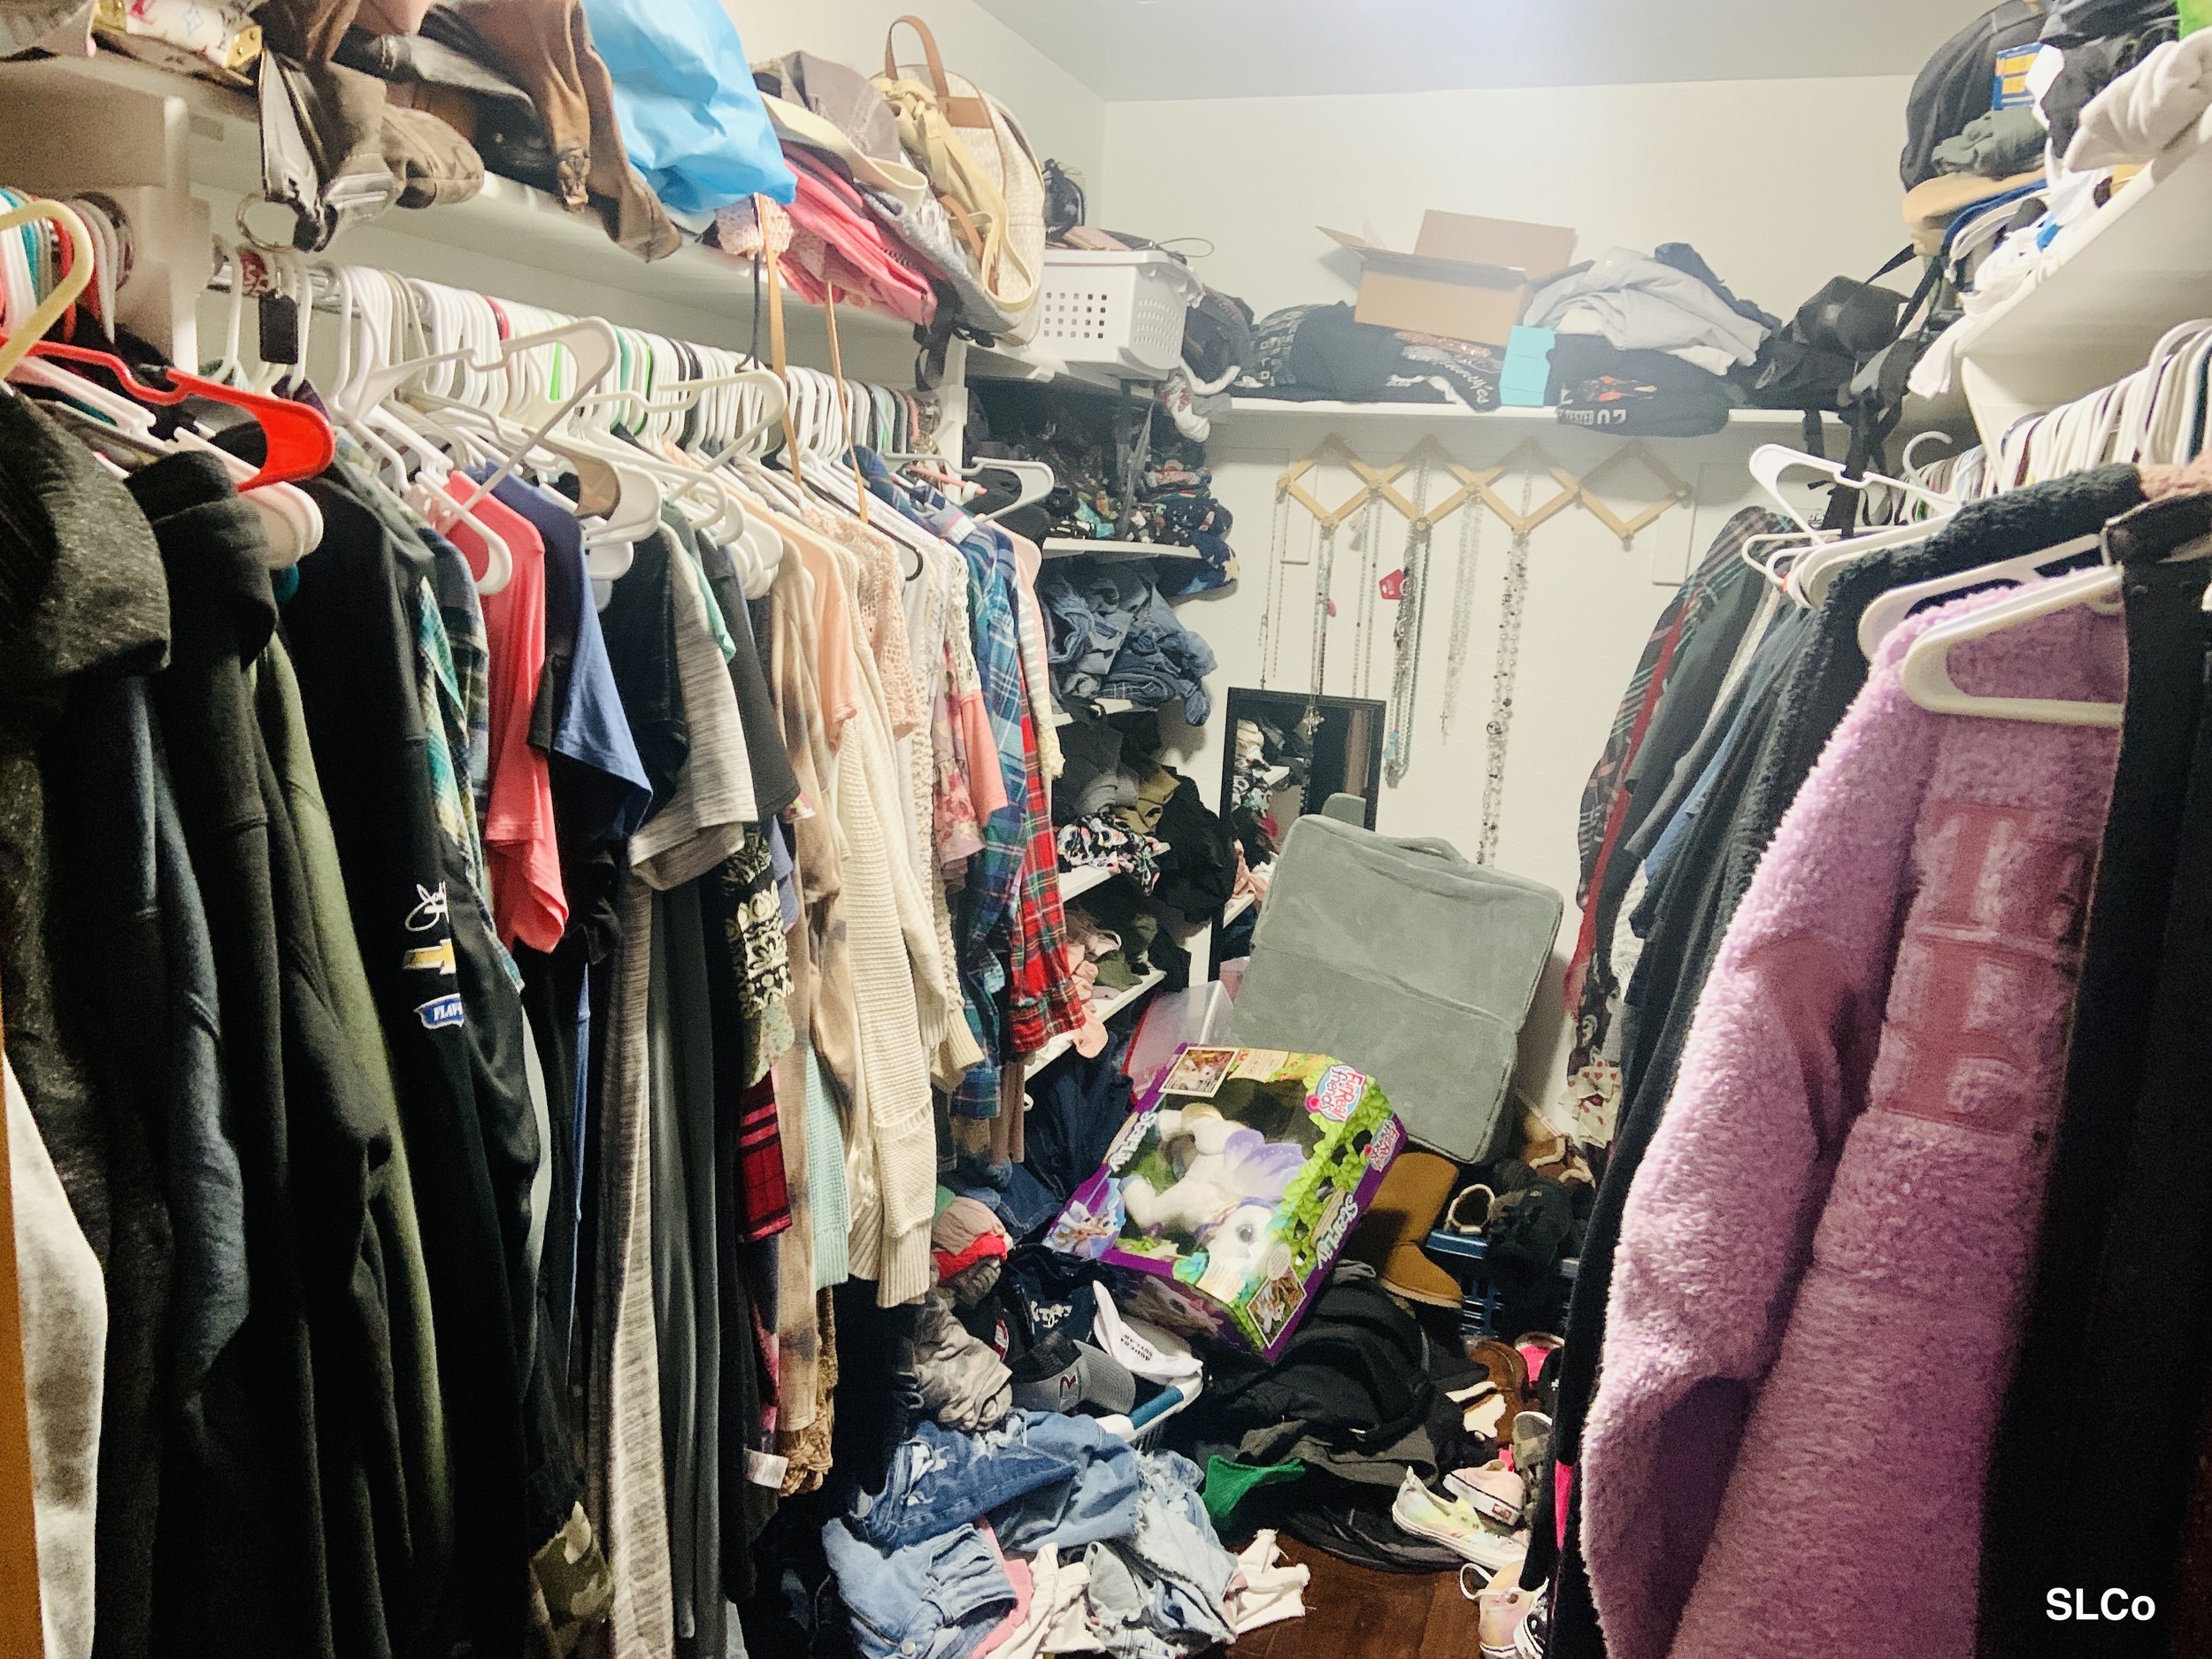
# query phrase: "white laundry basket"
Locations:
[[1120, 311]]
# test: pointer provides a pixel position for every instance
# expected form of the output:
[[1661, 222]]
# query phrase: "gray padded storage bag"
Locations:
[[1403, 959]]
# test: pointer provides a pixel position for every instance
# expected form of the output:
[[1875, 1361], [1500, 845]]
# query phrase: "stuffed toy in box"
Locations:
[[1227, 1194]]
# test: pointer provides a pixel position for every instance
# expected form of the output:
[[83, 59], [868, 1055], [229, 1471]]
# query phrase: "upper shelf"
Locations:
[[1069, 546], [1243, 408], [511, 240], [2117, 280]]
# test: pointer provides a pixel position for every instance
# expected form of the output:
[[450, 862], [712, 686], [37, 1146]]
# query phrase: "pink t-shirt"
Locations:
[[520, 854]]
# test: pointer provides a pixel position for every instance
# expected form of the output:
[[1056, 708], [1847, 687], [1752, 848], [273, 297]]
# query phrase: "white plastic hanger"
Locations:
[[1812, 576], [1769, 461], [1880, 619], [592, 343], [292, 524], [1925, 673]]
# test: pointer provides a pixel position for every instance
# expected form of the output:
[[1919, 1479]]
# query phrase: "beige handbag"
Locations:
[[981, 166]]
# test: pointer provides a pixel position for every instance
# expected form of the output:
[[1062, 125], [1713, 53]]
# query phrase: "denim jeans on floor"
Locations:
[[935, 1599], [941, 1479]]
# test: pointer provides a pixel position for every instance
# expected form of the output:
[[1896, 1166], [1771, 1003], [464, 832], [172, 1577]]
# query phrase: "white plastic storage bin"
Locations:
[[1122, 311]]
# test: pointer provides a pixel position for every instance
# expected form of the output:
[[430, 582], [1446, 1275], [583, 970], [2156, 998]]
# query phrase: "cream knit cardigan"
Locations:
[[899, 986]]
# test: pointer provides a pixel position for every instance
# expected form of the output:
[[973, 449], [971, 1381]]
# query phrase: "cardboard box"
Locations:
[[1467, 278], [1225, 1198]]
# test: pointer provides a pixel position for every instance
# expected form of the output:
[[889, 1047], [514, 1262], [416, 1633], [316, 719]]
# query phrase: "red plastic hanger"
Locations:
[[300, 445]]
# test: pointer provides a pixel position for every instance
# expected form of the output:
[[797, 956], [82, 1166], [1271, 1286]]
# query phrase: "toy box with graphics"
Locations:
[[1227, 1194]]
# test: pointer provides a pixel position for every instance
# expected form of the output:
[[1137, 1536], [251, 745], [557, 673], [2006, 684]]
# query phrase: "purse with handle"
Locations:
[[981, 166]]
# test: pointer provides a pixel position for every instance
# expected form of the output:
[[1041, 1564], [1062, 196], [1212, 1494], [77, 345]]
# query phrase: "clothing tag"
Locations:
[[280, 328], [765, 1468]]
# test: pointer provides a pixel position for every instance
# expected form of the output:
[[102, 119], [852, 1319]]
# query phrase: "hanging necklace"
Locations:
[[1323, 571], [1413, 593], [1278, 548], [1470, 519], [1501, 724], [1368, 540]]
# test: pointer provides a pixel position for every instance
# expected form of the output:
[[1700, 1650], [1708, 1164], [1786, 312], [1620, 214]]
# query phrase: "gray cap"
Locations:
[[1090, 1378]]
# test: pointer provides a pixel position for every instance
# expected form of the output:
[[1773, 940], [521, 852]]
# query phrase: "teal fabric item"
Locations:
[[691, 119], [826, 1178], [1525, 381]]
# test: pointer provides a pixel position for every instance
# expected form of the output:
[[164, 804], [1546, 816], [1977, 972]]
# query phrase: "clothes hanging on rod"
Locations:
[[1724, 803], [627, 891]]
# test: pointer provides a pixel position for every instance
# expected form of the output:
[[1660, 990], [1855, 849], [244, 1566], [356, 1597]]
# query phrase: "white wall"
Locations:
[[1064, 118], [1591, 605], [1780, 184]]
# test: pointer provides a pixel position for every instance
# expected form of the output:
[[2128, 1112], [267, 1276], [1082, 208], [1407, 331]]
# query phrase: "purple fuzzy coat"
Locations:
[[1823, 1257]]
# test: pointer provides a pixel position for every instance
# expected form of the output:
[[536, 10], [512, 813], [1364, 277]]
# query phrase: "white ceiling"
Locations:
[[1137, 50]]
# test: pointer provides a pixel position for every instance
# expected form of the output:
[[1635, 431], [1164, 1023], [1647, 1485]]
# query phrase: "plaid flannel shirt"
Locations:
[[1043, 1000]]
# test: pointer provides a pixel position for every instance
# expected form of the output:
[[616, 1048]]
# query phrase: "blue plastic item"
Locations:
[[1465, 1255], [691, 119]]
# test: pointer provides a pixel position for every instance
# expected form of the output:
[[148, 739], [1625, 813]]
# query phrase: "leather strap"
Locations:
[[844, 405], [962, 109], [776, 360]]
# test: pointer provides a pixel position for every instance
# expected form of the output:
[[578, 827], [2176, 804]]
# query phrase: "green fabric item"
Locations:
[[1228, 1483]]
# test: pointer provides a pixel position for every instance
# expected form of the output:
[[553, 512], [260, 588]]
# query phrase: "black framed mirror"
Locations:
[[1288, 754]]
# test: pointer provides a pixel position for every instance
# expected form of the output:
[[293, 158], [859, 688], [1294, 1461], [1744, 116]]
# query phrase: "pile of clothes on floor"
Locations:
[[1046, 1536], [1117, 803], [1019, 1517], [2091, 98]]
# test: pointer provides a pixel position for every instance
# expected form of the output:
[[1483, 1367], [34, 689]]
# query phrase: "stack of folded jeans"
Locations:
[[1114, 635]]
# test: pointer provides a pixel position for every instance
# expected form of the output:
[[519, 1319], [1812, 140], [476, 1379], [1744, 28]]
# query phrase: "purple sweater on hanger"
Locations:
[[1824, 1257]]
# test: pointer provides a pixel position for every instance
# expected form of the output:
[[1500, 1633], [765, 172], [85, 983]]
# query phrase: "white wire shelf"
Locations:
[[1106, 1009], [1081, 880], [1069, 546]]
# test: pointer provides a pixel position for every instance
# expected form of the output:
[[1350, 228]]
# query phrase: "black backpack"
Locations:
[[1954, 87], [1850, 349]]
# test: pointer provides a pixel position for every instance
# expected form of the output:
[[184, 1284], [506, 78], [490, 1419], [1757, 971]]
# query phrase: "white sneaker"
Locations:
[[1493, 1490], [1455, 1525]]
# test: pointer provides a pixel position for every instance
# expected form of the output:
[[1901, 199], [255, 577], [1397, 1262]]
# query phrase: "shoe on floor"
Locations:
[[1532, 1443], [1455, 1525], [1389, 1236], [1504, 1609], [1493, 1490], [1504, 1365]]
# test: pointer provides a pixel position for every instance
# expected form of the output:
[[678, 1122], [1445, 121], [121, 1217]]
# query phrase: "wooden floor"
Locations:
[[1354, 1613]]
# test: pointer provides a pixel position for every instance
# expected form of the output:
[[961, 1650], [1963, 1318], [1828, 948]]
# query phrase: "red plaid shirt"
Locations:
[[1042, 1001], [762, 1193]]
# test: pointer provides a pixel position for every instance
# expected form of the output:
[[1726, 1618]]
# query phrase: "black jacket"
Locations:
[[352, 626]]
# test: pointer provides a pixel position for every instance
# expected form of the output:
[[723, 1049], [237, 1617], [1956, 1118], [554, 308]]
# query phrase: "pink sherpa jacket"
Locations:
[[1823, 1257]]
